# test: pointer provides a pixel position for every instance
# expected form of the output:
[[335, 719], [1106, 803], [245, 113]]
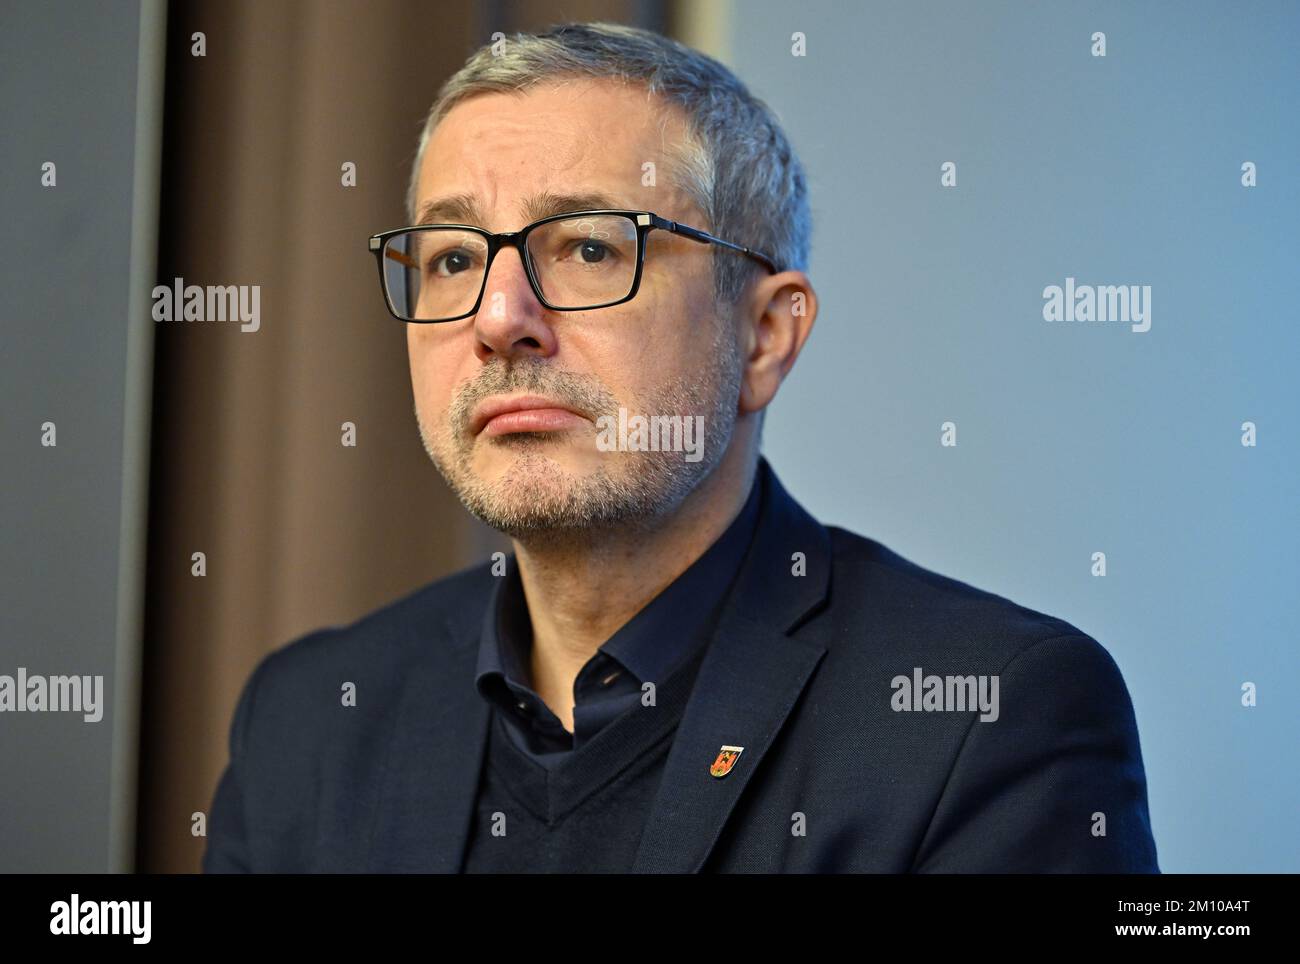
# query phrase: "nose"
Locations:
[[510, 320]]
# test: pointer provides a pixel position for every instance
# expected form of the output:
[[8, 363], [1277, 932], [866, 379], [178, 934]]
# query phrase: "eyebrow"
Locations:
[[463, 208]]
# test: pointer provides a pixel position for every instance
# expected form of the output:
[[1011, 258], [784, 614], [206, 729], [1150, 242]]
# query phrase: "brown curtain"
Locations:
[[248, 467]]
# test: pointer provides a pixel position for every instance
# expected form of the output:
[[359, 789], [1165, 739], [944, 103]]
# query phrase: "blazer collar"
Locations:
[[753, 672]]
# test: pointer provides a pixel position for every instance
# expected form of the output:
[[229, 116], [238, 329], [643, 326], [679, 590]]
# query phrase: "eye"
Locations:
[[450, 263], [592, 252]]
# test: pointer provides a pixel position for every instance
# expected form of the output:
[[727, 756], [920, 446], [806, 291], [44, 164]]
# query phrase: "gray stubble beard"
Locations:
[[538, 503]]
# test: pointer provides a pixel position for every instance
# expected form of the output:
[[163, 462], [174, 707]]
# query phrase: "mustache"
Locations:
[[585, 394]]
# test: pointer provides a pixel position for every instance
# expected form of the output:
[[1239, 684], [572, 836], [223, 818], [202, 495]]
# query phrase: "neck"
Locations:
[[580, 594]]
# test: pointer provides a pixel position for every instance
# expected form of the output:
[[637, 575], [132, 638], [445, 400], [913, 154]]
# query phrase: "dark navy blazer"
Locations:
[[799, 672]]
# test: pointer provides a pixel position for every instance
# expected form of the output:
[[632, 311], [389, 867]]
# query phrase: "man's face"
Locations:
[[665, 352]]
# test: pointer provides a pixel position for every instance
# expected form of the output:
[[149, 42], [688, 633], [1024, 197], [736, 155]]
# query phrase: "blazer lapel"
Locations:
[[431, 778], [751, 677]]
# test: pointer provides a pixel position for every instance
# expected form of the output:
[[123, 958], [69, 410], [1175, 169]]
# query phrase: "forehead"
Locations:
[[567, 137]]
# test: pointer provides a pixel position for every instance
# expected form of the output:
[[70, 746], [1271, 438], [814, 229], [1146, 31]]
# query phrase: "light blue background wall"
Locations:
[[1072, 438]]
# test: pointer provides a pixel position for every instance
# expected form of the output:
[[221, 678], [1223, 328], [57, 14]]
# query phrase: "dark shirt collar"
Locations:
[[650, 645]]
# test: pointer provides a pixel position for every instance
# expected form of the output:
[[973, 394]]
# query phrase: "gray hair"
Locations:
[[737, 165]]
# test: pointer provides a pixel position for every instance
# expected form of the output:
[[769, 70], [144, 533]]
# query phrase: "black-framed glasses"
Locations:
[[575, 262]]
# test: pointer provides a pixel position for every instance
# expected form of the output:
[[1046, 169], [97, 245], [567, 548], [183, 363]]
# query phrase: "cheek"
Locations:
[[670, 338], [433, 376], [418, 357]]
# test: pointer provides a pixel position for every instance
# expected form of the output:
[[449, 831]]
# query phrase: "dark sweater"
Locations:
[[586, 814]]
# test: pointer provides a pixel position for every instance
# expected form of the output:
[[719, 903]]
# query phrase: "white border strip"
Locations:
[[127, 668]]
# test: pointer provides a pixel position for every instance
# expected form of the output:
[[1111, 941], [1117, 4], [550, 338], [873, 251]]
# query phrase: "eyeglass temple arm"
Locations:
[[695, 234], [400, 258]]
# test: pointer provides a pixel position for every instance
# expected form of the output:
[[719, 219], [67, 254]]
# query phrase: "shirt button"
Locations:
[[522, 706]]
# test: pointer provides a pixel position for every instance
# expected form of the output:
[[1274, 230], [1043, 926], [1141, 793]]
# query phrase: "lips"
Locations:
[[522, 413]]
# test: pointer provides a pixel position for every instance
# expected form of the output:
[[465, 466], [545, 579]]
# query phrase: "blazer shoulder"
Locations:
[[911, 602], [435, 621]]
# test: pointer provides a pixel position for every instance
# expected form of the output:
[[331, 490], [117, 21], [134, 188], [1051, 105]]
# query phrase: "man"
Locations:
[[677, 669]]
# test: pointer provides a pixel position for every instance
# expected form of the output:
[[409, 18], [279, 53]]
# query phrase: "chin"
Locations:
[[537, 489], [532, 458]]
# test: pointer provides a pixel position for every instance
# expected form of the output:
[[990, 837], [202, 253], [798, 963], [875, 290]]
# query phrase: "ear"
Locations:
[[778, 316]]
